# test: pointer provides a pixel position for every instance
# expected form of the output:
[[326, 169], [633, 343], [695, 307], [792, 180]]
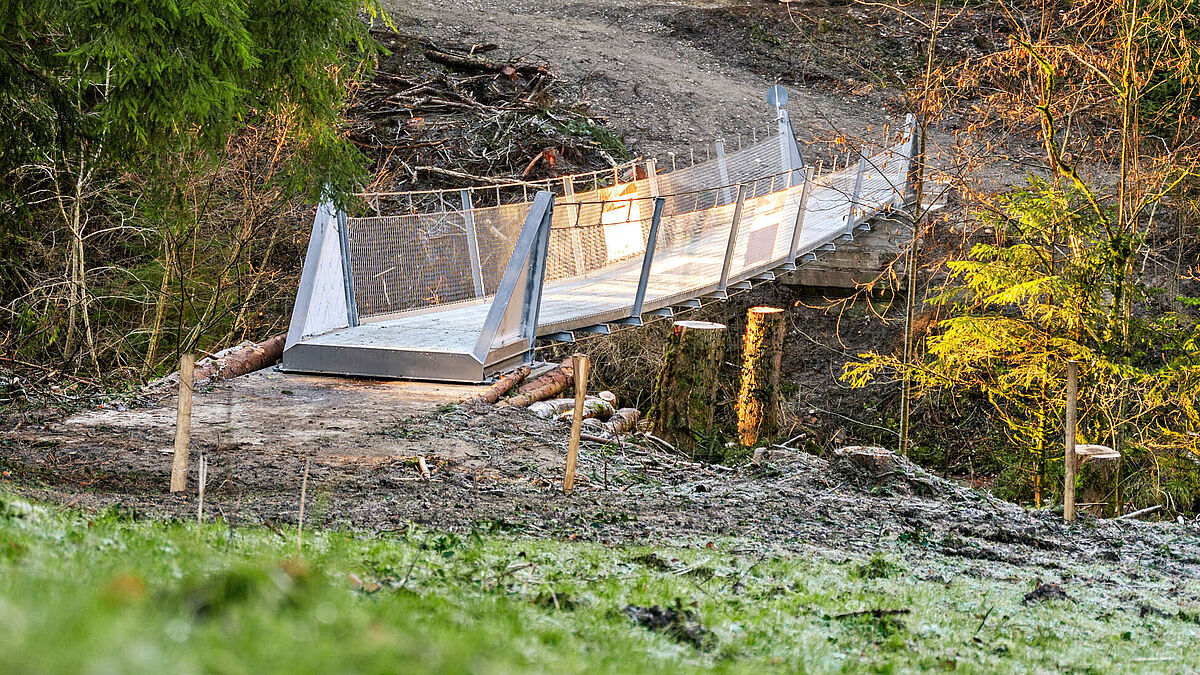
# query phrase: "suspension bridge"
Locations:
[[458, 285]]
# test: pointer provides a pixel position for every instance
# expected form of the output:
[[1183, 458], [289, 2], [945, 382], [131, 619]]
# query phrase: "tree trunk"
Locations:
[[762, 354], [687, 383]]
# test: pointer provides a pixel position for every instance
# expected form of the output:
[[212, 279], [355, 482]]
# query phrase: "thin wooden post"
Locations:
[[183, 422], [580, 365], [1069, 460], [202, 482], [300, 516]]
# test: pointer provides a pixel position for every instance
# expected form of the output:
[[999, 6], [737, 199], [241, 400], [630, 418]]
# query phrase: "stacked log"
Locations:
[[545, 386], [500, 387]]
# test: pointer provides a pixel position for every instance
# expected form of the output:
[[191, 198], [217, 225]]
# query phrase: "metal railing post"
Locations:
[[910, 152], [639, 298], [347, 271], [856, 195], [576, 233], [472, 243], [536, 279], [723, 285], [798, 228], [723, 170]]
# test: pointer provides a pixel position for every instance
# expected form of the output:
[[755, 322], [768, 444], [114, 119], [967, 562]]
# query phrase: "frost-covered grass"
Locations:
[[102, 593]]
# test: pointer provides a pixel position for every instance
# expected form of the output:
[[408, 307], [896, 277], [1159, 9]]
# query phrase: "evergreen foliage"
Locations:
[[1047, 292]]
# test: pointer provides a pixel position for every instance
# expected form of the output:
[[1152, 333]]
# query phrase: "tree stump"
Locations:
[[1097, 469], [762, 354], [684, 397]]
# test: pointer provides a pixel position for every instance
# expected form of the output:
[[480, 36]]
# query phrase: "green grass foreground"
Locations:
[[105, 593]]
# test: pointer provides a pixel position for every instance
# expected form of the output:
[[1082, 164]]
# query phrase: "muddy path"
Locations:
[[658, 72]]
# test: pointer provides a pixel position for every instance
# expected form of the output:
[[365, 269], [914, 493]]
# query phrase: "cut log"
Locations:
[[500, 387], [246, 357], [473, 63], [593, 408], [545, 386], [762, 354], [555, 408], [684, 396], [622, 422], [1097, 471], [552, 408]]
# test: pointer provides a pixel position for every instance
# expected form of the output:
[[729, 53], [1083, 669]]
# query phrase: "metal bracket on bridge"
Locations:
[[524, 275]]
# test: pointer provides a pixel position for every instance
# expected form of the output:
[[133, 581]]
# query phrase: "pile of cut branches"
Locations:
[[452, 115]]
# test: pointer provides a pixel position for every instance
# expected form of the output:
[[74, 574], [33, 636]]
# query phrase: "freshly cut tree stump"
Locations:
[[1097, 469], [544, 386], [762, 355], [500, 387], [687, 384]]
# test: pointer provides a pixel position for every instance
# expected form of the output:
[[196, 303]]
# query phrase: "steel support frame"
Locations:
[[856, 195], [472, 242], [801, 212], [639, 298], [525, 275], [723, 170], [347, 271], [723, 284]]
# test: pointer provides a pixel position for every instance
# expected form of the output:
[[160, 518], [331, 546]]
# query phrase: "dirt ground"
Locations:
[[501, 468], [656, 71]]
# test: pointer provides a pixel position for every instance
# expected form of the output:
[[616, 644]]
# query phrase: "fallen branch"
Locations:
[[877, 613], [450, 173], [1140, 512], [473, 63]]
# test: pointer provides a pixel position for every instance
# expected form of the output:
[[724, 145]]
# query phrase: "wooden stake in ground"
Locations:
[[300, 519], [202, 482], [685, 394], [183, 423], [1069, 461], [762, 355], [580, 365]]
